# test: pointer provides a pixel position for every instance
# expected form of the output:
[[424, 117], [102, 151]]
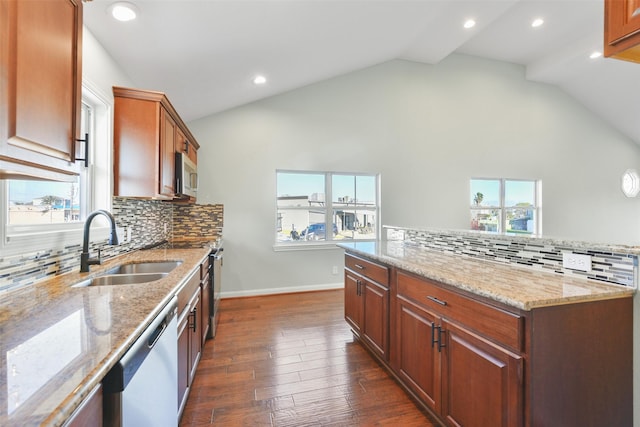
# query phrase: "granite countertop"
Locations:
[[515, 286], [57, 342]]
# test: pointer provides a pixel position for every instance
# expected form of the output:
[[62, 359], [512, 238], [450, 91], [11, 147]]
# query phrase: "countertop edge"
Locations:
[[618, 291]]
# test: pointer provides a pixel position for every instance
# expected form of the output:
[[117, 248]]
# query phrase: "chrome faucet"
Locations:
[[85, 261]]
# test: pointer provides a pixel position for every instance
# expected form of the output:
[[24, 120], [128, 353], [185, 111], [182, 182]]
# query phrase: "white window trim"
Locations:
[[16, 240], [327, 244], [502, 208]]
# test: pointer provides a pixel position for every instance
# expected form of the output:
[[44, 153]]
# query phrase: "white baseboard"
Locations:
[[275, 291]]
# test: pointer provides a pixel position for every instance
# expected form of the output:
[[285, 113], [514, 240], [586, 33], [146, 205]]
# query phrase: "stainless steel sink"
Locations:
[[145, 267], [120, 279]]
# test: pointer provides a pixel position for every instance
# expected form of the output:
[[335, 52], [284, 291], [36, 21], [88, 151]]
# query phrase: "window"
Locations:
[[505, 206], [310, 203], [46, 214]]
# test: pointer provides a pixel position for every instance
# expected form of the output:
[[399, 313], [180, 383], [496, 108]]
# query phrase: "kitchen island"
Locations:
[[59, 341], [482, 343]]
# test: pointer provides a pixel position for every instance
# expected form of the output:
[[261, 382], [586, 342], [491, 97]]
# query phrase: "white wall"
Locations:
[[427, 129], [99, 70]]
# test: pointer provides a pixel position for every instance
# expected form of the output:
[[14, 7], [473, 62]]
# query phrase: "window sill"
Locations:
[[306, 246]]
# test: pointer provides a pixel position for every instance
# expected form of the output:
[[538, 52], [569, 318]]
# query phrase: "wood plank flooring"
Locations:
[[291, 360]]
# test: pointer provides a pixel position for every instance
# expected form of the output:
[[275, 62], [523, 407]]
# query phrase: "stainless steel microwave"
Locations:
[[186, 176]]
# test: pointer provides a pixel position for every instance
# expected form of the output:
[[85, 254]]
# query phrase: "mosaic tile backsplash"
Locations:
[[147, 222], [608, 265]]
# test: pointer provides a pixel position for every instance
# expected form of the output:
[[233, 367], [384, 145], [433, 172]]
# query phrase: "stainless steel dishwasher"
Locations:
[[141, 389]]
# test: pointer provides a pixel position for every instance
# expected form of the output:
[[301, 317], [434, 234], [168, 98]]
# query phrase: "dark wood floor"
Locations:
[[291, 360]]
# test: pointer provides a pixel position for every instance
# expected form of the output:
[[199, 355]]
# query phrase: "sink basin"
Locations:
[[128, 274], [145, 267], [120, 279]]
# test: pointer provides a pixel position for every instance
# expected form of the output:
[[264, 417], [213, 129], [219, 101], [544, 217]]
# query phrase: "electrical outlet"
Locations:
[[576, 261], [335, 269], [128, 234], [120, 232]]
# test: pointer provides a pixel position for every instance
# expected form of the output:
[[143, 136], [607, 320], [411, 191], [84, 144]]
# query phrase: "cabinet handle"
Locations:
[[86, 150], [193, 315], [636, 12], [436, 300], [433, 334], [358, 291], [359, 267]]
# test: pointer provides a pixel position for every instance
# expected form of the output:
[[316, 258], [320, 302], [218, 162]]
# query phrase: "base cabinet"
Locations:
[[474, 362], [367, 303], [481, 382], [190, 342]]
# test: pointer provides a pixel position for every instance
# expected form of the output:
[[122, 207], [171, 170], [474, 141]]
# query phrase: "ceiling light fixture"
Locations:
[[469, 23], [595, 54], [259, 80], [537, 22], [123, 11]]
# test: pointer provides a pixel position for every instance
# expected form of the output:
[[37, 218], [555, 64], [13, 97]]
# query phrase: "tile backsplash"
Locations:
[[146, 221], [610, 264]]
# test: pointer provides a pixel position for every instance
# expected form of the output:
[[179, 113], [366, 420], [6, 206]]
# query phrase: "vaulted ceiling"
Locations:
[[205, 53]]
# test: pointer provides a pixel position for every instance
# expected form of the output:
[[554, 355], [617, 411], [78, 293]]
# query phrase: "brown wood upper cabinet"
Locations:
[[147, 133], [622, 29], [40, 88]]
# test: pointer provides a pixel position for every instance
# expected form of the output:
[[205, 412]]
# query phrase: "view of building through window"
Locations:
[[310, 203], [505, 205], [43, 202]]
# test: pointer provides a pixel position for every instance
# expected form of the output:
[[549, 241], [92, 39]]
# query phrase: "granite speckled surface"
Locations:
[[57, 342], [517, 287]]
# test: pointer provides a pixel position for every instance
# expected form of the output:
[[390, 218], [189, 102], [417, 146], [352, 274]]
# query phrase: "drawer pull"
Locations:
[[635, 13], [436, 300], [359, 267]]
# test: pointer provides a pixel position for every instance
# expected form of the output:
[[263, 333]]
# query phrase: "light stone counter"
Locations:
[[518, 287], [57, 342]]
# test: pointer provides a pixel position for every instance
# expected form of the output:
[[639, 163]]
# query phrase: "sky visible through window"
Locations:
[[515, 192], [27, 191], [300, 184]]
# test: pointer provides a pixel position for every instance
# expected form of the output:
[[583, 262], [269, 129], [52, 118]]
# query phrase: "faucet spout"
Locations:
[[85, 260]]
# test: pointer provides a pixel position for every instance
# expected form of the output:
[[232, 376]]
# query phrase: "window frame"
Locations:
[[503, 208], [328, 243], [19, 239]]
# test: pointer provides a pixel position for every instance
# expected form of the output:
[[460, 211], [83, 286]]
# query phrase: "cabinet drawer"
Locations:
[[375, 272], [187, 291], [502, 326]]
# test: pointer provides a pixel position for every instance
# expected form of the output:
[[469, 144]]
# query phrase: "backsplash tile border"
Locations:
[[147, 222], [614, 264]]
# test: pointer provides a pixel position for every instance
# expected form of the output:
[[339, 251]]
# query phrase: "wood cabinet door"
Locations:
[[353, 302], [40, 84], [623, 19], [195, 338], [376, 317], [183, 361], [482, 383], [417, 357], [206, 308], [167, 154]]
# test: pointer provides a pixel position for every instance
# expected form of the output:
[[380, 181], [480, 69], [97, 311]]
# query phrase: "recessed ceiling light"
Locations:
[[595, 54], [469, 23], [537, 22], [123, 11], [259, 80]]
